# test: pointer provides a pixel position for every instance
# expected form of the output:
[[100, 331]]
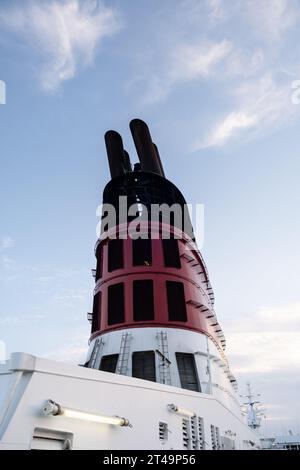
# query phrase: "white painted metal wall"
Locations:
[[186, 341], [26, 382]]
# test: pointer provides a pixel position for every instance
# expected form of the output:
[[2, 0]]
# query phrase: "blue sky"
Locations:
[[213, 79]]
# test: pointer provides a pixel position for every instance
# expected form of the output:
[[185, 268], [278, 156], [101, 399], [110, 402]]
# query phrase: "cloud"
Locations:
[[193, 11], [20, 320], [187, 61], [270, 21], [216, 11], [250, 71], [65, 34], [262, 104], [243, 63], [74, 352], [267, 341], [275, 17], [232, 123], [72, 294], [6, 262], [192, 61], [6, 242]]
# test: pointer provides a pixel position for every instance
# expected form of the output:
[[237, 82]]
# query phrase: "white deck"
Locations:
[[26, 382]]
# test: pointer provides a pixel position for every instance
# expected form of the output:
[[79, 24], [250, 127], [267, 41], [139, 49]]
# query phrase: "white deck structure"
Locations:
[[27, 382]]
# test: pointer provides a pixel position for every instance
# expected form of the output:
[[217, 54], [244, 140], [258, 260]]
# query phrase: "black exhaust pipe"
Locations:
[[127, 162], [115, 153], [144, 147], [159, 160]]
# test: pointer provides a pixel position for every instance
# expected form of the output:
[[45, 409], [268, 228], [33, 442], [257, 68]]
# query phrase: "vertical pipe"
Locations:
[[127, 162], [115, 153], [159, 160], [144, 146]]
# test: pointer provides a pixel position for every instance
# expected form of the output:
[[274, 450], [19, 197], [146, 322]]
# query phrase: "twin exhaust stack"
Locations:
[[118, 158]]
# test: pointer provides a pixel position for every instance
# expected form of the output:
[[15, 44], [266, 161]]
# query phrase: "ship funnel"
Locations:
[[127, 162], [159, 160], [118, 158], [144, 147]]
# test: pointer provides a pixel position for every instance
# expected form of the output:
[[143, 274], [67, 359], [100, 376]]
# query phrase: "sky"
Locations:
[[218, 83]]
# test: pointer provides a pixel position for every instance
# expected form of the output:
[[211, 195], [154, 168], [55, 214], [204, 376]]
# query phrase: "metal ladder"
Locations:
[[122, 366], [96, 353], [164, 365]]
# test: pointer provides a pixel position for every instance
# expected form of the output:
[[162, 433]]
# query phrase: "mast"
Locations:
[[253, 412]]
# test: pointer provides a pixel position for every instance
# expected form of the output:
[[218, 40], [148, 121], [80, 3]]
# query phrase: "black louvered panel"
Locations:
[[109, 363], [187, 371], [143, 365]]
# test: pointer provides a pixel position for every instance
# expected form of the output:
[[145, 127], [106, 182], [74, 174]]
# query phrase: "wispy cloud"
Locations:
[[74, 352], [65, 34], [260, 104], [269, 21], [6, 242], [251, 72], [266, 342], [216, 11], [73, 294], [20, 320], [192, 61], [275, 16], [231, 124], [187, 61], [193, 11]]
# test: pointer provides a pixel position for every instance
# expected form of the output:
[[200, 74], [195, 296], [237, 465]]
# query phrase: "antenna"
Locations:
[[254, 414]]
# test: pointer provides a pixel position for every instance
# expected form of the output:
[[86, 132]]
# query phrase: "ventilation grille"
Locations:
[[217, 432], [163, 432], [186, 434], [215, 437], [201, 433], [193, 433]]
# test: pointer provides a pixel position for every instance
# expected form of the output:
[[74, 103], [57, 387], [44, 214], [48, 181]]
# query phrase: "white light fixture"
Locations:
[[54, 409], [181, 411]]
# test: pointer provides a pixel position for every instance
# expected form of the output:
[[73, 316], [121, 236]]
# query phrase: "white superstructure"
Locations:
[[27, 382]]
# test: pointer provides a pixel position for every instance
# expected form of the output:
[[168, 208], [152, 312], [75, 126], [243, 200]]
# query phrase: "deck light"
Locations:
[[181, 411], [54, 409]]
